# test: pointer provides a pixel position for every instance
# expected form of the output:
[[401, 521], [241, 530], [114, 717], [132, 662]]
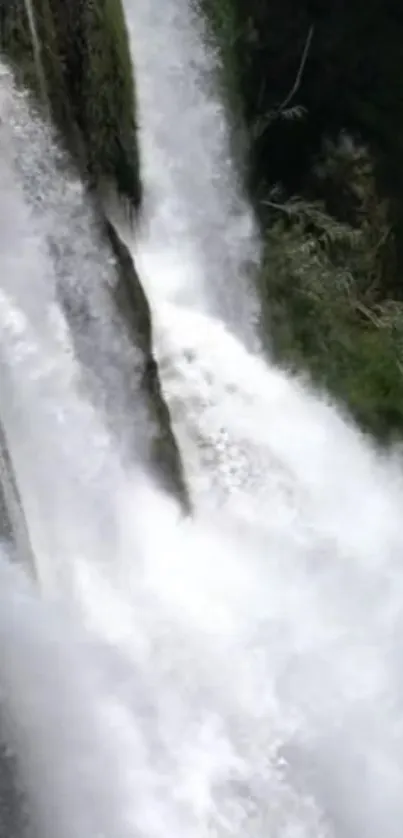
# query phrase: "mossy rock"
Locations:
[[133, 307], [83, 74], [13, 526]]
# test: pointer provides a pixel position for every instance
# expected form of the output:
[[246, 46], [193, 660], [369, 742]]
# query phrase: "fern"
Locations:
[[291, 114]]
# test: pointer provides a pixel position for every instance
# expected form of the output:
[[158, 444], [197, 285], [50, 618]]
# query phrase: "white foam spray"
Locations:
[[238, 674]]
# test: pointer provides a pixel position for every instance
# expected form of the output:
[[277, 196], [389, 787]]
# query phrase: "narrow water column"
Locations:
[[197, 225]]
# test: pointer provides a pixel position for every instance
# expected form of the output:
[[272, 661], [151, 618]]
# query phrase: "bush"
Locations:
[[321, 315]]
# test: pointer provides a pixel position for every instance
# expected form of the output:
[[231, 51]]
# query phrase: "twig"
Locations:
[[301, 68], [274, 205], [274, 114]]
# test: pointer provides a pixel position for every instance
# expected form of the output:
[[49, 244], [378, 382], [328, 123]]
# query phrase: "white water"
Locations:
[[195, 217], [237, 675]]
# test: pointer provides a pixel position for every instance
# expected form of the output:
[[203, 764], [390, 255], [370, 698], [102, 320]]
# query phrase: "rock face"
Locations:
[[132, 305], [6, 529], [12, 522], [81, 71], [74, 57], [14, 818]]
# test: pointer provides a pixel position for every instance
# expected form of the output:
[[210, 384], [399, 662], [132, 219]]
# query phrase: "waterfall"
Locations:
[[195, 216], [237, 673]]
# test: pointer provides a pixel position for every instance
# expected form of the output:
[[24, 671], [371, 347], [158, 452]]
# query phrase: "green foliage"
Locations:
[[86, 63], [322, 310], [311, 77], [352, 79]]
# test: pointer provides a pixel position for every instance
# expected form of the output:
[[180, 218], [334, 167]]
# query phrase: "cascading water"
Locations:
[[234, 675], [196, 225]]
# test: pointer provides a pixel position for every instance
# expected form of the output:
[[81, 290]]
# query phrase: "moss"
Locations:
[[222, 33], [16, 42], [85, 58], [101, 88], [13, 525]]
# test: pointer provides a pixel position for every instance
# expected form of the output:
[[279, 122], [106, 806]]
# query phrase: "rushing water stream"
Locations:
[[238, 674]]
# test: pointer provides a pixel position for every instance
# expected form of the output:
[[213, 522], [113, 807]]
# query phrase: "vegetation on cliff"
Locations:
[[320, 87]]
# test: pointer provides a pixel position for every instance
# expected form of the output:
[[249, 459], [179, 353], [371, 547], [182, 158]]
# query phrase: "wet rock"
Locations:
[[133, 307], [75, 58]]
